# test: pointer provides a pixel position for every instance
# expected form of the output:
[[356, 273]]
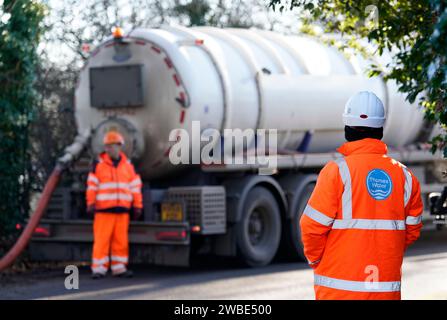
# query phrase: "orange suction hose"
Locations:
[[24, 238]]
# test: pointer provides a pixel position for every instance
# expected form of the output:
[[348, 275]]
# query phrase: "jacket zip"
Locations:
[[116, 182]]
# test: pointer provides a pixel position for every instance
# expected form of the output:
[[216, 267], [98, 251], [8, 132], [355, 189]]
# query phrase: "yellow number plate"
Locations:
[[171, 212]]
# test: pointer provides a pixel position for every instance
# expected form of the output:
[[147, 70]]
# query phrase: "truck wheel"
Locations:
[[292, 230], [259, 230]]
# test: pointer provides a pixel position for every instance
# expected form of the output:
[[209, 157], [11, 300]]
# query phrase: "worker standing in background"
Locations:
[[113, 188], [365, 210]]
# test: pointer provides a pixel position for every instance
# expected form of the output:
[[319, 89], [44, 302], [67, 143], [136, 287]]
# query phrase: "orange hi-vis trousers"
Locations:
[[110, 232]]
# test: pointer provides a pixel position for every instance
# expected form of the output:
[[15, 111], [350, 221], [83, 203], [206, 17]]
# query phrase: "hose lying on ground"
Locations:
[[70, 154]]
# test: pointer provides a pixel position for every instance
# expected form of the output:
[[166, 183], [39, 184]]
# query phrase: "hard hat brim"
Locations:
[[109, 143], [355, 121]]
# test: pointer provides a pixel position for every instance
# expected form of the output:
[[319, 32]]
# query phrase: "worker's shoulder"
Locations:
[[94, 164], [331, 168], [402, 167], [128, 164], [397, 164]]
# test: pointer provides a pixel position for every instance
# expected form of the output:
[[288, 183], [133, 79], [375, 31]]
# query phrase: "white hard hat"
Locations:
[[364, 109]]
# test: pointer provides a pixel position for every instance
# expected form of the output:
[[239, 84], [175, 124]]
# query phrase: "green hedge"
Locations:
[[21, 26]]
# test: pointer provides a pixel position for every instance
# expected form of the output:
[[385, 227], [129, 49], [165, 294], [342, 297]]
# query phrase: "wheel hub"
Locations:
[[255, 227]]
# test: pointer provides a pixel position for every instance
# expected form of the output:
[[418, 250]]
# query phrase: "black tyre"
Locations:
[[259, 230], [292, 230]]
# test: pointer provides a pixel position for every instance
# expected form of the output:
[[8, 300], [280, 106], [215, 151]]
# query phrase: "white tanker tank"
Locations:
[[153, 81]]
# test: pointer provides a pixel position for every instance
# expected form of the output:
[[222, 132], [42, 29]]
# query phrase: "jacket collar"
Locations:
[[367, 145], [106, 158]]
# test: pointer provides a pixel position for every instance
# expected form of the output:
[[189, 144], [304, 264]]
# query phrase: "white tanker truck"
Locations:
[[153, 83]]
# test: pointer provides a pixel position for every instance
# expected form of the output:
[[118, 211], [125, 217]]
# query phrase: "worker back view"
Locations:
[[364, 212]]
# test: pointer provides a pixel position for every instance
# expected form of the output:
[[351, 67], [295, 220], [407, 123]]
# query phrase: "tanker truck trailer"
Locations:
[[161, 86]]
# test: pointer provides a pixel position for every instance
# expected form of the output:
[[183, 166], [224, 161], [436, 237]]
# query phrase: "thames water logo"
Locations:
[[379, 184]]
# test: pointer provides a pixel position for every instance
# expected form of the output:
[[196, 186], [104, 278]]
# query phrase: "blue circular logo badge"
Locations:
[[379, 184]]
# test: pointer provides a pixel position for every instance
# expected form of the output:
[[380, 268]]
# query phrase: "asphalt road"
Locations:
[[424, 277]]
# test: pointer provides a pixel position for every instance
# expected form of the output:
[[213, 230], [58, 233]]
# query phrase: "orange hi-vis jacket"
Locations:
[[365, 210], [113, 189]]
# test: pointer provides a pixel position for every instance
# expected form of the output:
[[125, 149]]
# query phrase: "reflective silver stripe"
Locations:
[[120, 259], [135, 182], [92, 188], [408, 186], [314, 262], [413, 220], [347, 192], [359, 286], [318, 216], [92, 178], [118, 266], [135, 190], [114, 196], [99, 269], [369, 224], [113, 185], [100, 261]]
